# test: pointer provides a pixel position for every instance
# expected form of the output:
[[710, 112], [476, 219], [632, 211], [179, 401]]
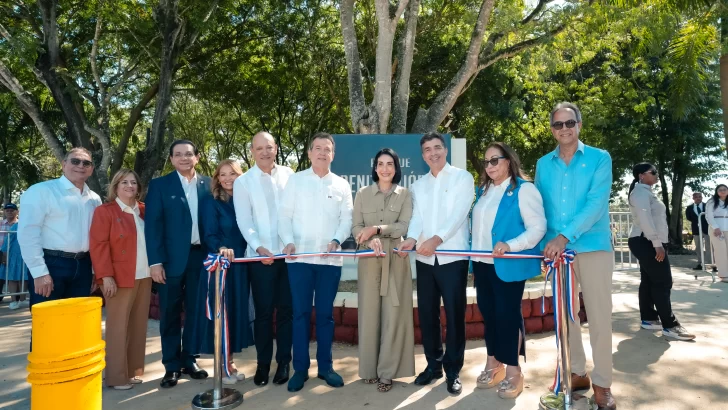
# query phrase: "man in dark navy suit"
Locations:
[[175, 254]]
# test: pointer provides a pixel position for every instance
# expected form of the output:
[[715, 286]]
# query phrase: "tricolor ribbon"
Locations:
[[346, 254], [560, 290], [477, 254], [211, 264]]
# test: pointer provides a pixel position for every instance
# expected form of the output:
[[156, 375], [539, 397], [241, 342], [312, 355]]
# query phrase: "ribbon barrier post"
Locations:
[[218, 397], [699, 248]]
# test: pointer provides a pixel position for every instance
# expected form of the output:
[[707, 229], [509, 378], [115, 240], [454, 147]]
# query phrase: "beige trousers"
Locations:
[[126, 332], [594, 275], [721, 253]]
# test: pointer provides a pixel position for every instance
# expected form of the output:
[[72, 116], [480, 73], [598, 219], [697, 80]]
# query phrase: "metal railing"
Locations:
[[5, 269], [620, 224], [700, 248]]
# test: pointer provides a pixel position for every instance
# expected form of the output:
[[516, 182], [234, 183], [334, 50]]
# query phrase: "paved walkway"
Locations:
[[650, 372]]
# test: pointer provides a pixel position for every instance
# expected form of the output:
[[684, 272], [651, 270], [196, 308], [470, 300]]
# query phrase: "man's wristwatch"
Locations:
[[379, 230]]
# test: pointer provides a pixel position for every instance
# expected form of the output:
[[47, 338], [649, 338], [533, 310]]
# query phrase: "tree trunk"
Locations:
[[134, 116], [724, 66], [357, 101], [405, 56], [675, 221]]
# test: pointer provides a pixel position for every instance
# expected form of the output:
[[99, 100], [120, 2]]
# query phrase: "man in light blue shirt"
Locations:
[[575, 181]]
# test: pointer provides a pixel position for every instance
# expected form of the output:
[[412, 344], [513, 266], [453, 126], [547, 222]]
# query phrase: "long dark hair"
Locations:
[[716, 198], [397, 169], [637, 170], [514, 169]]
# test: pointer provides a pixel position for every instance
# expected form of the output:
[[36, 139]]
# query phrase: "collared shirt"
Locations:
[[190, 188], [314, 211], [256, 196], [441, 206], [142, 266], [56, 216], [716, 217], [576, 197], [649, 215], [531, 207]]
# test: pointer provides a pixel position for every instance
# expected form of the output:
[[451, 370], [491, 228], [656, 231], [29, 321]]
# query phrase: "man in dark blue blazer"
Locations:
[[175, 252]]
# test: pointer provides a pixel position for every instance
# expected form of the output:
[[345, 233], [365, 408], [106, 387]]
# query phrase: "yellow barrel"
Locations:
[[68, 355]]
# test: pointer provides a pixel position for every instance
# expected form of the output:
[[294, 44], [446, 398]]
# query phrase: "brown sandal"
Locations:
[[369, 381], [384, 387]]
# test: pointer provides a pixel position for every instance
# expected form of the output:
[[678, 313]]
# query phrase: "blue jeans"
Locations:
[[71, 279], [306, 280]]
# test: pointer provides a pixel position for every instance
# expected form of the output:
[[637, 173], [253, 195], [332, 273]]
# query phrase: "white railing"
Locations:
[[620, 224], [700, 247], [20, 286]]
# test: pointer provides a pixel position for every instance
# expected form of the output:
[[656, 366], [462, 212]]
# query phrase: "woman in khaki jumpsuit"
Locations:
[[382, 213]]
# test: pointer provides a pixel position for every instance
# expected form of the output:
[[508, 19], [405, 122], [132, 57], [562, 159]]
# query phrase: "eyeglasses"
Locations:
[[560, 124], [76, 162], [493, 161]]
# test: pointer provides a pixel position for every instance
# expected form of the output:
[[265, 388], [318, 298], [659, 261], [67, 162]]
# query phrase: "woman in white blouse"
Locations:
[[646, 242], [717, 216], [508, 216]]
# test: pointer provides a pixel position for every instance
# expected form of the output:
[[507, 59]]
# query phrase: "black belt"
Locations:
[[68, 255], [196, 246]]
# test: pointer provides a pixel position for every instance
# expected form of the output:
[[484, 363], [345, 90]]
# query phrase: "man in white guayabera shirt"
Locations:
[[442, 201], [314, 216], [53, 233], [256, 195]]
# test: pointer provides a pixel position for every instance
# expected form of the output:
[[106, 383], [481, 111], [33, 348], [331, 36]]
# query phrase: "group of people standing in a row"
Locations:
[[709, 222], [65, 231]]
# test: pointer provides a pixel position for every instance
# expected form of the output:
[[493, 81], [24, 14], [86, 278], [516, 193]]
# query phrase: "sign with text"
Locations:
[[354, 157]]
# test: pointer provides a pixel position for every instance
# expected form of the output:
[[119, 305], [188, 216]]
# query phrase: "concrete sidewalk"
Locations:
[[650, 371]]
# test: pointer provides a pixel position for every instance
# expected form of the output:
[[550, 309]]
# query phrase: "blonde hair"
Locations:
[[217, 190], [114, 185]]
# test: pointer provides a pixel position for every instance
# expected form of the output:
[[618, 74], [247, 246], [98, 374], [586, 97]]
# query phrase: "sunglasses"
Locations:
[[493, 161], [560, 124], [77, 162]]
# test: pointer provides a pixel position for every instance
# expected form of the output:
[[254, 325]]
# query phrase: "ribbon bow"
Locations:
[[212, 262], [559, 290]]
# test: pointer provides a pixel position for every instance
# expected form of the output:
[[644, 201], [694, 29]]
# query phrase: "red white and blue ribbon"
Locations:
[[477, 254], [211, 264], [562, 292], [346, 254]]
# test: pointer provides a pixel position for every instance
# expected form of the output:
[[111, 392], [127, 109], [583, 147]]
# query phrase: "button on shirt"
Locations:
[[576, 197], [190, 188], [312, 212], [485, 211], [441, 206], [56, 216], [716, 217], [256, 196], [649, 215], [142, 266]]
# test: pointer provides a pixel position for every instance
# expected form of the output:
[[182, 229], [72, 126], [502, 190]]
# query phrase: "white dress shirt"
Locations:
[[530, 205], [142, 266], [190, 188], [256, 196], [313, 212], [716, 217], [648, 214], [441, 206], [56, 216]]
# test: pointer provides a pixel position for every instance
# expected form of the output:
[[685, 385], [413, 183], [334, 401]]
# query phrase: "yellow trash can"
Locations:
[[68, 355]]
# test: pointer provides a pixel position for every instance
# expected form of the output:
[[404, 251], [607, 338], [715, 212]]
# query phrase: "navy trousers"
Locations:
[[447, 282], [499, 303], [180, 291], [71, 279], [272, 291], [306, 281]]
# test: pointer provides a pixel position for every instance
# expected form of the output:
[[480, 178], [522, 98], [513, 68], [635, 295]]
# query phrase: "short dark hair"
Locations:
[[397, 169], [182, 142], [431, 136], [565, 105], [322, 136]]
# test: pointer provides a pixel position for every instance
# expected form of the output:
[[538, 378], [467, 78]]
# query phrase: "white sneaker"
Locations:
[[14, 305], [678, 332], [651, 325], [123, 387], [229, 380], [240, 376]]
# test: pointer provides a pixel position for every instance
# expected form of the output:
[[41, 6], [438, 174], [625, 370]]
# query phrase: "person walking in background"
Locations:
[[382, 212], [442, 200], [175, 254], [692, 213], [13, 268], [647, 243], [119, 257], [575, 181], [717, 215], [508, 216], [257, 195], [53, 233]]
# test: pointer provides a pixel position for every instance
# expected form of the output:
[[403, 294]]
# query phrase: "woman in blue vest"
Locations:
[[508, 216]]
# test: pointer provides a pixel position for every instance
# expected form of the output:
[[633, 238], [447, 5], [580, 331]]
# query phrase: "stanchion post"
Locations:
[[564, 339], [218, 398]]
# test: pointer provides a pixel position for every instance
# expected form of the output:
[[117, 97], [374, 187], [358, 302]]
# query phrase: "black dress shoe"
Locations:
[[195, 372], [454, 386], [170, 379], [427, 377], [261, 375], [282, 372]]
